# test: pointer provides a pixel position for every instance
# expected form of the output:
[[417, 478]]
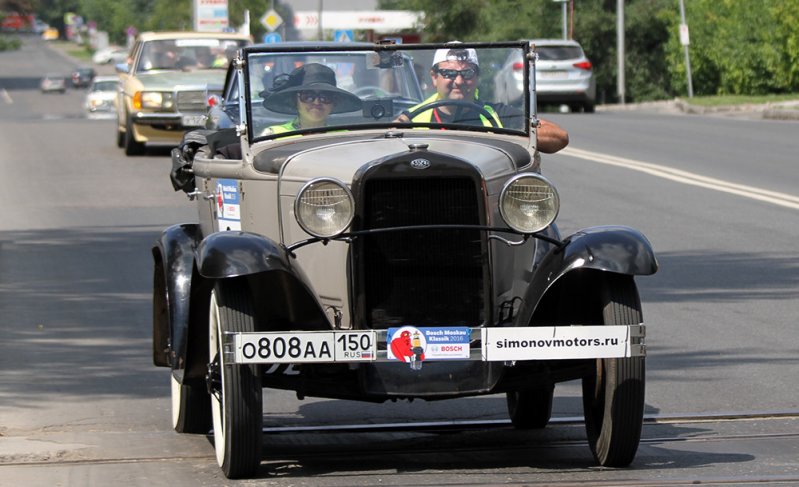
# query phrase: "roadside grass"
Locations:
[[78, 52], [727, 100], [8, 43]]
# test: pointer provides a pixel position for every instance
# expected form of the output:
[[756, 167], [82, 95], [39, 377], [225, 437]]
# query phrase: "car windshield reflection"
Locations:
[[293, 93], [195, 53]]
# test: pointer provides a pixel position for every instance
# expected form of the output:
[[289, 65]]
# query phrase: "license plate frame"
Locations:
[[304, 347]]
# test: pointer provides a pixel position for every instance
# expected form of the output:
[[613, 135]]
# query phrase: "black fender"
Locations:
[[186, 268], [614, 249], [232, 254], [173, 255], [284, 294]]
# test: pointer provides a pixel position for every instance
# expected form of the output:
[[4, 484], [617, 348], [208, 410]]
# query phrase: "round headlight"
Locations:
[[529, 203], [324, 208]]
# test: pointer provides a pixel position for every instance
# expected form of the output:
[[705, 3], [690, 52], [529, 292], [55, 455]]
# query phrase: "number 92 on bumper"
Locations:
[[303, 347]]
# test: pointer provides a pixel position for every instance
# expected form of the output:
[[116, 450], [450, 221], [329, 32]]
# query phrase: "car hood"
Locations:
[[167, 80], [492, 158], [101, 95]]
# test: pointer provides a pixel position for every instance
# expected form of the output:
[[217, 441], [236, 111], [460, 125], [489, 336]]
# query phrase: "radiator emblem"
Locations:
[[420, 163]]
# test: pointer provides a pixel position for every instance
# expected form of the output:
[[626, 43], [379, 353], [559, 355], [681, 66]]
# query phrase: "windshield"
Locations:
[[350, 87], [202, 53], [558, 53], [105, 85]]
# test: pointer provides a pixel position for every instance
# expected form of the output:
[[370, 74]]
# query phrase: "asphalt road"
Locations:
[[81, 404]]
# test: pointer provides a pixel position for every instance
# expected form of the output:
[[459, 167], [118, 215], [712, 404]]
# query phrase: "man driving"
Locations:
[[455, 74]]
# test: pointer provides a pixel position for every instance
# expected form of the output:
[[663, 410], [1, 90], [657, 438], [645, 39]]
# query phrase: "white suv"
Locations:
[[563, 75]]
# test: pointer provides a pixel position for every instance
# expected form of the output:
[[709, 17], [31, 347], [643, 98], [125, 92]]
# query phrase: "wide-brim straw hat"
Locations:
[[310, 77]]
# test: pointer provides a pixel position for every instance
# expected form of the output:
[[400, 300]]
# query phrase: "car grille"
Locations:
[[427, 277], [192, 101]]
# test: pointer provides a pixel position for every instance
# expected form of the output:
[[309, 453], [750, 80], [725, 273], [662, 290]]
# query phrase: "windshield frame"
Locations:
[[248, 86]]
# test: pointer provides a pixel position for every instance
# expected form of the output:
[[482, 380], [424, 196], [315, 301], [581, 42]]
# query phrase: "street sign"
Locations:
[[271, 20], [210, 15], [379, 21], [684, 37], [344, 35], [272, 38]]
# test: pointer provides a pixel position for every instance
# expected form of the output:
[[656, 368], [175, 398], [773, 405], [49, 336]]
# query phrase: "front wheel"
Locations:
[[132, 147], [190, 408], [613, 395], [236, 401], [120, 137]]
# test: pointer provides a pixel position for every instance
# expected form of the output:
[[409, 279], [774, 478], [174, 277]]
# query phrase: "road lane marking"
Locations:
[[6, 97], [686, 177]]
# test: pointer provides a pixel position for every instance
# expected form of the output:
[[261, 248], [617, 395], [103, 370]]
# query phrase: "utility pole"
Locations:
[[620, 49], [684, 40], [571, 19], [565, 22], [320, 34]]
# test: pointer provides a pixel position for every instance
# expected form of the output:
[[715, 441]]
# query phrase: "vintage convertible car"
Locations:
[[388, 258]]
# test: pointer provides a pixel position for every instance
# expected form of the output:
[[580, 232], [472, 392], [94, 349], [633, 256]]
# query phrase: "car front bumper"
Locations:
[[489, 344]]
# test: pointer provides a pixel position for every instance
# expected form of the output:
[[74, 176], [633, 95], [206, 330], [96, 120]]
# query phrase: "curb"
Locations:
[[771, 111], [781, 114], [776, 111]]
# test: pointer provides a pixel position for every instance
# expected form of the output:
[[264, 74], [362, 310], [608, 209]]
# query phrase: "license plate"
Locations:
[[305, 347], [193, 120], [553, 74]]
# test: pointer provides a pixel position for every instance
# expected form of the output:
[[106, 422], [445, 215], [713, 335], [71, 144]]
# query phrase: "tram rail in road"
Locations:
[[721, 448], [434, 426]]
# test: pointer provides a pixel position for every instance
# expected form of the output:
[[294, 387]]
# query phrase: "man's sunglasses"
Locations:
[[467, 74], [312, 96]]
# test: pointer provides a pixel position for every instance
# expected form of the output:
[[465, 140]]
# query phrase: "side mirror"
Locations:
[[181, 175]]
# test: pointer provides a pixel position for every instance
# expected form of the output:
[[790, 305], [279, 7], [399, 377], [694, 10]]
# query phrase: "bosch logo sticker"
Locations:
[[415, 345], [228, 207]]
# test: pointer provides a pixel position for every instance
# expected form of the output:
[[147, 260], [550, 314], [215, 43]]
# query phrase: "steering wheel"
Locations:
[[461, 105], [366, 91]]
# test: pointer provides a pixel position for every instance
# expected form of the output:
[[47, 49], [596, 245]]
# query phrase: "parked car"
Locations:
[[110, 55], [563, 76], [39, 27], [82, 77], [386, 260], [50, 34], [100, 97], [166, 86], [53, 82]]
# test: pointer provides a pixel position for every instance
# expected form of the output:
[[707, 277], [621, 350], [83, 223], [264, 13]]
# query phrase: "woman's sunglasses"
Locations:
[[467, 74], [312, 96]]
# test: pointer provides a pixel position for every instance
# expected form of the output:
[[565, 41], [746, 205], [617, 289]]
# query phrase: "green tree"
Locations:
[[114, 16], [745, 48], [52, 11], [786, 35], [594, 26]]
